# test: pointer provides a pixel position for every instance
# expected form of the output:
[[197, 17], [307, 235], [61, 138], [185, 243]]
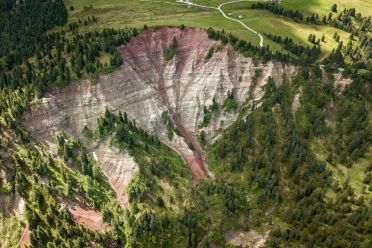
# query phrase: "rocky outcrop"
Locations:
[[11, 204], [118, 166], [337, 78], [340, 82], [147, 84], [296, 101]]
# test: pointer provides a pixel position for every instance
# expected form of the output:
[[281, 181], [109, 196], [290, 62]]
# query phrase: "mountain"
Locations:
[[177, 136]]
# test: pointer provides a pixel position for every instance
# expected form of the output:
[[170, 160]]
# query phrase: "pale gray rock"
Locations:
[[146, 85]]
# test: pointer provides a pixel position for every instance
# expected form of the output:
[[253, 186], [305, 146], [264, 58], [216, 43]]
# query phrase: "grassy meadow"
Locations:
[[134, 13], [137, 13], [324, 6]]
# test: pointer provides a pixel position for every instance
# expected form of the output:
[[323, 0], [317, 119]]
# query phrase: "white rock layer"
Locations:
[[146, 85]]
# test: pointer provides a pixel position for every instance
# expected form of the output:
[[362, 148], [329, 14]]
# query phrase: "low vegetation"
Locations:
[[172, 50], [10, 231], [278, 169], [167, 121], [209, 113], [230, 103]]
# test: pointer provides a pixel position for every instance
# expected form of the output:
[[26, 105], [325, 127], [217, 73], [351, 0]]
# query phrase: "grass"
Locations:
[[324, 6], [266, 22], [134, 13], [10, 231], [171, 51], [355, 174], [309, 7]]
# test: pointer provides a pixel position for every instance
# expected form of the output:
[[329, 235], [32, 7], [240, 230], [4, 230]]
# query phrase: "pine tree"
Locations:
[[334, 7]]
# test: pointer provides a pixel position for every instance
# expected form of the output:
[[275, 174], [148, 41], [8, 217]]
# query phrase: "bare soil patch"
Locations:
[[87, 217]]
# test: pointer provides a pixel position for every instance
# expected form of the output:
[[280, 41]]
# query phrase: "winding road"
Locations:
[[219, 8], [233, 19]]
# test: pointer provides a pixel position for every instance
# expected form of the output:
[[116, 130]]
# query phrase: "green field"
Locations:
[[266, 22], [134, 13], [312, 6], [324, 6]]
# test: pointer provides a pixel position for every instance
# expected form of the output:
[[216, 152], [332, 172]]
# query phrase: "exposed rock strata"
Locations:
[[147, 84], [118, 166]]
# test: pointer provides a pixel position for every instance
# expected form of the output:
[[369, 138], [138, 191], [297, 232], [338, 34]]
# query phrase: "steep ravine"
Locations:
[[147, 85]]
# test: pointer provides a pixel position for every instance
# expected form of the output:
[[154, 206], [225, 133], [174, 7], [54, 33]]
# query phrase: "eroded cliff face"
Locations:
[[147, 85]]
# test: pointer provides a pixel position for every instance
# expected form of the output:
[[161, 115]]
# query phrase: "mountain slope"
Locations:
[[148, 85]]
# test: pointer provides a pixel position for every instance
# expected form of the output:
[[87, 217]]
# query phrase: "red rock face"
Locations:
[[147, 84], [146, 56]]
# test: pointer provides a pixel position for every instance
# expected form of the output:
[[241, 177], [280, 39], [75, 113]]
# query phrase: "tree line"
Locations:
[[310, 54], [23, 27]]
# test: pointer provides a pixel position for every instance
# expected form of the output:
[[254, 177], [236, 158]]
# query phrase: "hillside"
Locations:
[[164, 123], [152, 91]]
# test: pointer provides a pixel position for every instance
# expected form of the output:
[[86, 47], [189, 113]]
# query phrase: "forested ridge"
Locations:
[[277, 166], [281, 167], [23, 28]]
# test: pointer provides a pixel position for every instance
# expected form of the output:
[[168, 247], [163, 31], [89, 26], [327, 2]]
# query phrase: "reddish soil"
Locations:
[[83, 215], [25, 237], [195, 163], [145, 55], [196, 166], [117, 183], [87, 217]]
